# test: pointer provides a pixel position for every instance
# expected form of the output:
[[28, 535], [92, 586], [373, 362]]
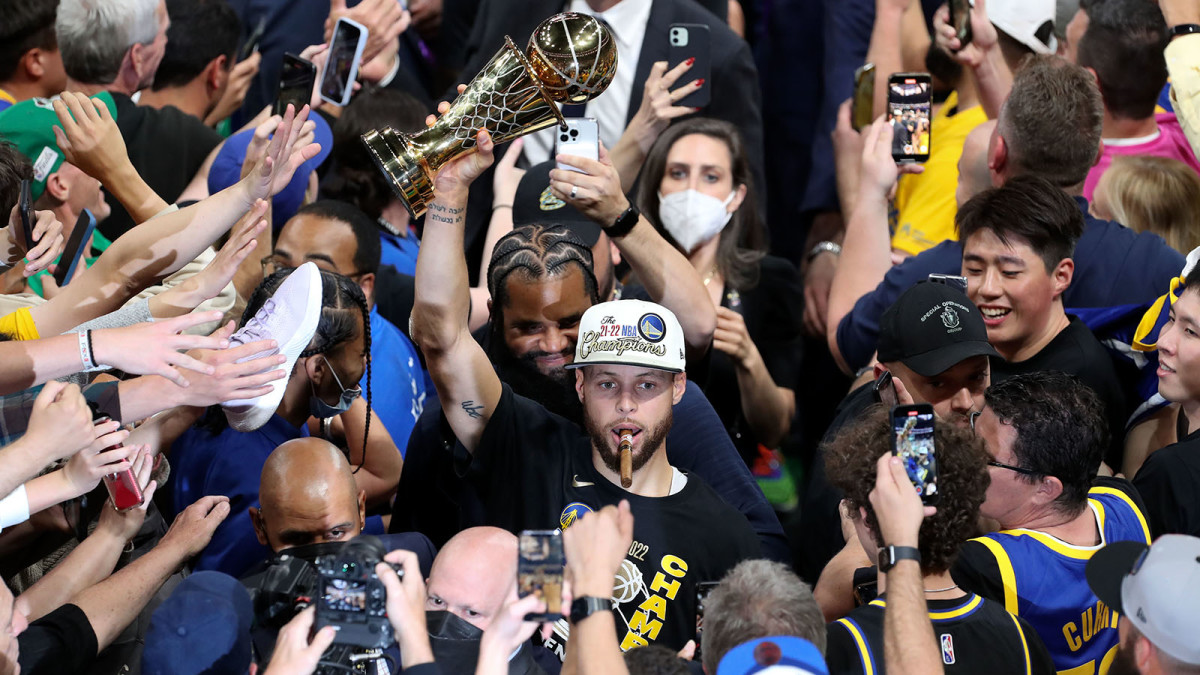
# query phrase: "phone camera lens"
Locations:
[[574, 133], [564, 138]]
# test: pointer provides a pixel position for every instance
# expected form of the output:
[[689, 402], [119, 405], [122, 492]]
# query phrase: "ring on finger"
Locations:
[[574, 191]]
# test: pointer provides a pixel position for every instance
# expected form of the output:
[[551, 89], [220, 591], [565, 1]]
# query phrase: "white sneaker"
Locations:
[[290, 317]]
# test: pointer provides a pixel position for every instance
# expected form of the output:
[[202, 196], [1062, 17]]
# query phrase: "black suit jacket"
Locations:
[[736, 97]]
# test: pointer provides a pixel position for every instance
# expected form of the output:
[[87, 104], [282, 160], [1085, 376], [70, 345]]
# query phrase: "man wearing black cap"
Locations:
[[1155, 589], [932, 340]]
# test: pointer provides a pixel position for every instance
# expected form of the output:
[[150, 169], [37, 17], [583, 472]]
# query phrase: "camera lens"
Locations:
[[574, 133]]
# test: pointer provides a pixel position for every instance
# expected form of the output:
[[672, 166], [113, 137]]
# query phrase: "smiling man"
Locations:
[[1018, 242]]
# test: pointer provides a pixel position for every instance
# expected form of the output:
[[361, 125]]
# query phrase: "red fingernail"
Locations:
[[691, 60], [700, 82]]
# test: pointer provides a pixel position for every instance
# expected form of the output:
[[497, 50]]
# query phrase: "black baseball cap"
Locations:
[[931, 328], [535, 202]]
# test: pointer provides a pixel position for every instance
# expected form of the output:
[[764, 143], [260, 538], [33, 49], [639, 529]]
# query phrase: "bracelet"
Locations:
[[824, 247], [501, 206], [85, 349], [1184, 29]]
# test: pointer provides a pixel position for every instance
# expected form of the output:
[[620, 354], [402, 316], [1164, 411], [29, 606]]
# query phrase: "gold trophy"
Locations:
[[571, 58]]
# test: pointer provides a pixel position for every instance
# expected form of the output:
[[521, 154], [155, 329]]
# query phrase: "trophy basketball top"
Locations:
[[573, 56]]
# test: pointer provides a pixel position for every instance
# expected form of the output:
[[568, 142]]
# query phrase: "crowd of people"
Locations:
[[649, 411]]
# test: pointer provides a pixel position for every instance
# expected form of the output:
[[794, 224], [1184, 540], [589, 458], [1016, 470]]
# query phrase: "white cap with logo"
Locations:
[[1030, 22], [630, 333]]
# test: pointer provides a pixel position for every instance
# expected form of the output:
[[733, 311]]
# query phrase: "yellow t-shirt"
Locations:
[[924, 207], [19, 325]]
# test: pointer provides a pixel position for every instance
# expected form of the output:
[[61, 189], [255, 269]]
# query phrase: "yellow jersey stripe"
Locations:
[[1007, 576], [964, 609], [1125, 498], [1024, 645], [863, 651]]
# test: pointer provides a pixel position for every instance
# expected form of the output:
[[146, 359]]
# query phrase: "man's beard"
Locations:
[[556, 392], [602, 440], [1123, 663]]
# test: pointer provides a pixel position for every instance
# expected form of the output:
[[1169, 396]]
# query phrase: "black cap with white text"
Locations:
[[931, 328]]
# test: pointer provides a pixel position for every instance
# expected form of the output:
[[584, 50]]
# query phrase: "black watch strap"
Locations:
[[1184, 29], [624, 223], [588, 605], [890, 555]]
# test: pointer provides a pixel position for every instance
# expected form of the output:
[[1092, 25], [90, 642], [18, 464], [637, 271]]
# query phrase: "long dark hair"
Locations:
[[342, 301], [744, 240]]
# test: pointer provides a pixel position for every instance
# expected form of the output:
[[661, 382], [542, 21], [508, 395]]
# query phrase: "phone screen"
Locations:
[[913, 443], [295, 83], [910, 96], [540, 570], [342, 64]]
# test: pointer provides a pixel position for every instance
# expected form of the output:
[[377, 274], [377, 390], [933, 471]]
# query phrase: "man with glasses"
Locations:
[[340, 238], [1045, 434]]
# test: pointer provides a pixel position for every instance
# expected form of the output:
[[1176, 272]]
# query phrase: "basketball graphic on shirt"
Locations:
[[628, 584]]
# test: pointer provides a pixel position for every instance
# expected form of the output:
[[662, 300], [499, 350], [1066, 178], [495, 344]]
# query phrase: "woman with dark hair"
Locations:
[[212, 458], [697, 191]]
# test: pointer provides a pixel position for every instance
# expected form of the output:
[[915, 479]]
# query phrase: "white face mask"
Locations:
[[692, 217]]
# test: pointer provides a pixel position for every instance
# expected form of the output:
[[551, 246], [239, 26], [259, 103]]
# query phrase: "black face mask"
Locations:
[[455, 642]]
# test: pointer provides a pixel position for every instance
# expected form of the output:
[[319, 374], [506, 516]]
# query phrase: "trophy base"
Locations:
[[397, 158]]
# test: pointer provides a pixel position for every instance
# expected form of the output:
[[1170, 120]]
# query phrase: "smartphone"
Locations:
[[952, 280], [884, 389], [27, 216], [581, 138], [540, 564], [910, 96], [123, 488], [251, 44], [341, 66], [702, 590], [913, 443], [862, 106], [76, 245], [691, 41], [960, 20], [296, 81]]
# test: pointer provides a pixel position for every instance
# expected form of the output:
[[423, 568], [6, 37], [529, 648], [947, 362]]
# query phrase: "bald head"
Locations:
[[308, 495], [474, 574], [973, 174]]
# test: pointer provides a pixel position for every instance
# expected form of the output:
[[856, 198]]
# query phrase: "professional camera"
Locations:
[[350, 597]]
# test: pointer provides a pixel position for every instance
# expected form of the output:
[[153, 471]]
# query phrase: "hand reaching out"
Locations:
[[125, 524], [288, 149], [86, 467], [192, 529], [152, 348], [211, 280], [231, 380], [294, 654], [385, 21], [658, 106], [60, 423], [89, 137]]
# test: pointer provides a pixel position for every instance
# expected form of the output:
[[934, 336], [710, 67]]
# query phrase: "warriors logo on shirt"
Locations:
[[573, 511]]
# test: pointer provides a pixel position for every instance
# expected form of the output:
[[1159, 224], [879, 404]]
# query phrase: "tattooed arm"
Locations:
[[466, 383]]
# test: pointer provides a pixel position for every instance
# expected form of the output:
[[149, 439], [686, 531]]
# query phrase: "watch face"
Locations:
[[885, 558]]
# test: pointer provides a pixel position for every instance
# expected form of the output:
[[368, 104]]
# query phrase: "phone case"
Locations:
[[960, 20], [863, 106], [123, 489], [296, 81], [691, 41], [73, 252], [341, 67], [910, 95], [581, 138], [540, 564], [28, 219]]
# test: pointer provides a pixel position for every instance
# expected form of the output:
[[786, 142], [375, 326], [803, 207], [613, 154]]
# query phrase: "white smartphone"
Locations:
[[580, 138], [341, 66]]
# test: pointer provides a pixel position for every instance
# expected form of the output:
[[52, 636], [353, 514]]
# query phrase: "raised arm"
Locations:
[[467, 386], [652, 118], [983, 56], [667, 275]]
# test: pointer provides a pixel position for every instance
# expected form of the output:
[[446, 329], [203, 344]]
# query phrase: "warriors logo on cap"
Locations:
[[652, 328]]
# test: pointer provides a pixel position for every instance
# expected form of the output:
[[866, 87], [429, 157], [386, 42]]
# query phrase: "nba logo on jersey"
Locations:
[[947, 649]]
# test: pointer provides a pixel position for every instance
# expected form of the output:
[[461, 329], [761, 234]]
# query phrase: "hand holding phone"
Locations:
[[341, 65], [960, 21], [26, 215], [80, 238], [692, 41], [910, 98], [540, 564], [296, 81], [251, 44], [913, 442], [581, 138]]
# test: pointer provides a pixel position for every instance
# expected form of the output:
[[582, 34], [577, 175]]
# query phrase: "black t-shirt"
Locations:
[[60, 643], [1168, 482], [976, 636], [1077, 352], [534, 471], [166, 146]]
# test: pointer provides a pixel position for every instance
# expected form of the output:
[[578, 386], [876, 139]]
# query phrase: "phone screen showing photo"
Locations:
[[909, 103]]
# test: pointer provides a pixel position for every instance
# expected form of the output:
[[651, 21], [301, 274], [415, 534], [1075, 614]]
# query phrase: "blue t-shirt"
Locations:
[[399, 252], [397, 380], [230, 464], [1113, 266]]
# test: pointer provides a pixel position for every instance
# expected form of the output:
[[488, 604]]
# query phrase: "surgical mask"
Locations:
[[454, 641], [320, 409], [692, 217]]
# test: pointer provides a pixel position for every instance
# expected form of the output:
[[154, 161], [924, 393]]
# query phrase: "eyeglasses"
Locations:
[[275, 262], [1000, 465]]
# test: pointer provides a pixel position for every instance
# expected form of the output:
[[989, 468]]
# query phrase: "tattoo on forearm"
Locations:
[[474, 411], [440, 213]]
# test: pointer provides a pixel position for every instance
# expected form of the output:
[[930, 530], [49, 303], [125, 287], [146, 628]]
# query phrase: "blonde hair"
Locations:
[[1153, 194]]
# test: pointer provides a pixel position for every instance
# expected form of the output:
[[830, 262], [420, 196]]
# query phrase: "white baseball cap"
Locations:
[[630, 333], [1030, 22], [1156, 587]]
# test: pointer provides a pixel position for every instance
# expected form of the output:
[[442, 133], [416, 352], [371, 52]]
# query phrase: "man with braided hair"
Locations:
[[213, 459]]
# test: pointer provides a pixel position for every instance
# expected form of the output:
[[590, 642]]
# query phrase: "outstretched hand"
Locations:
[[659, 102], [153, 348], [89, 137], [290, 146]]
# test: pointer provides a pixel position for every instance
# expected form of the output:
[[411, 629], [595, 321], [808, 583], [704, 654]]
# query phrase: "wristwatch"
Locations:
[[1184, 29], [588, 605], [624, 223], [890, 555]]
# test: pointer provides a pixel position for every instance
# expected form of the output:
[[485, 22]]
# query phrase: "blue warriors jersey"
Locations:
[[1041, 579]]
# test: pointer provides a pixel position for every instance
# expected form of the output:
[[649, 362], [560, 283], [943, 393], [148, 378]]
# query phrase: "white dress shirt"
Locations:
[[627, 21]]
